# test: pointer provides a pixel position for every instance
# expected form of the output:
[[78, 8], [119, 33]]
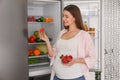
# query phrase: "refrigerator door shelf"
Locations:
[[37, 71]]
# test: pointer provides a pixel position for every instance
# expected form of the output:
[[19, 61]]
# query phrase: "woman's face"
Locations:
[[68, 19]]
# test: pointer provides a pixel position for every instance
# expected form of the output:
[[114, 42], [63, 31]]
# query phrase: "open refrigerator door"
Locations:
[[44, 14]]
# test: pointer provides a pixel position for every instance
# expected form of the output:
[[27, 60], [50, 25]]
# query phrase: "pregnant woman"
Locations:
[[74, 41]]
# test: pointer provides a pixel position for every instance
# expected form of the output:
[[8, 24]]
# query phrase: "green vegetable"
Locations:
[[31, 54], [41, 19], [41, 53], [36, 33], [33, 60], [38, 20], [38, 39], [42, 48]]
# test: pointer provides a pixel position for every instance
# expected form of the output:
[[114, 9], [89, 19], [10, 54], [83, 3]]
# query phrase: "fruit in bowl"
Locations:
[[66, 58]]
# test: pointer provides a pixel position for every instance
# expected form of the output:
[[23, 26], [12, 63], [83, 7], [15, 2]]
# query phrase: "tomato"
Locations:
[[30, 51], [31, 40], [33, 37], [42, 29]]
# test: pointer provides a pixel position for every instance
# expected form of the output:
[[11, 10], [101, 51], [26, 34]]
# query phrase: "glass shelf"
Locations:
[[38, 56], [40, 22], [38, 60], [36, 43], [38, 64]]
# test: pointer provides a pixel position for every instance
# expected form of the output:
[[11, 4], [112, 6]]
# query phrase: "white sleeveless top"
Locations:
[[67, 47]]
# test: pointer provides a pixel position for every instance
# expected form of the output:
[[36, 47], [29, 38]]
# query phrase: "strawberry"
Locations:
[[42, 30], [69, 58], [61, 56], [66, 58]]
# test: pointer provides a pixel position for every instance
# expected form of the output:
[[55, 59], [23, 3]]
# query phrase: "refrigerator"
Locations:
[[42, 14], [18, 23], [91, 13], [40, 10], [13, 42]]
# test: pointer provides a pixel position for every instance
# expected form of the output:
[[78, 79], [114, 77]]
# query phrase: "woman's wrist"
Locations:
[[47, 41], [79, 60], [76, 61]]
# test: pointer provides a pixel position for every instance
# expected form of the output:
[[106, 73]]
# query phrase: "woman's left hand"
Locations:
[[69, 63], [80, 60]]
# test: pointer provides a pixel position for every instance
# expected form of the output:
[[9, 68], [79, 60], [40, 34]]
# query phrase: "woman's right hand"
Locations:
[[43, 36]]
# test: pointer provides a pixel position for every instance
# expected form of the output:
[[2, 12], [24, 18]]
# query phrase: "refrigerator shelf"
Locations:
[[37, 43], [38, 56], [39, 70], [39, 64], [40, 22], [42, 2]]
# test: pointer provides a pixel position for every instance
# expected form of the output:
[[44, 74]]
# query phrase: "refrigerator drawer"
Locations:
[[37, 71]]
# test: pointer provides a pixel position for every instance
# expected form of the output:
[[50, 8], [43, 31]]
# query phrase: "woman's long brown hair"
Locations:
[[75, 12]]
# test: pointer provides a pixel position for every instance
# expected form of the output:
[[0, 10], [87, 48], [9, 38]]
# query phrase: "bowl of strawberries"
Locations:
[[66, 58]]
